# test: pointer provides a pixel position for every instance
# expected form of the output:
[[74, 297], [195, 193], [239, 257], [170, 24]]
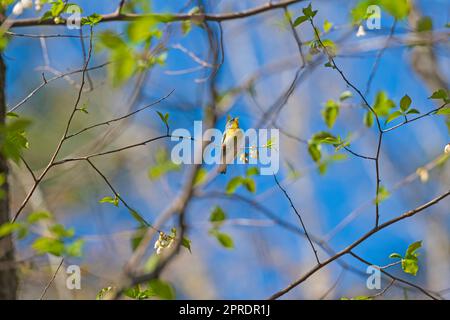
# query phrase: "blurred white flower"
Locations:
[[164, 241], [361, 32], [447, 148], [17, 9], [37, 5], [423, 174], [26, 3]]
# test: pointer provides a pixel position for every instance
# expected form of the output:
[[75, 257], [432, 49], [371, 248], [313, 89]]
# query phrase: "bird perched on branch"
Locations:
[[231, 143]]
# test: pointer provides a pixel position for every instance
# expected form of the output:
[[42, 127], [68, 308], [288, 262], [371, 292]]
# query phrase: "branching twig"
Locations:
[[299, 217], [51, 280]]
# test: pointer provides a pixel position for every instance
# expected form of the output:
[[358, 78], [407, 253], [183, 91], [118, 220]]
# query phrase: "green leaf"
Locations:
[[368, 119], [383, 194], [410, 265], [327, 25], [413, 111], [123, 66], [46, 16], [185, 242], [162, 289], [13, 139], [37, 216], [424, 24], [200, 177], [412, 248], [111, 40], [439, 94], [383, 105], [142, 29], [61, 232], [75, 249], [91, 20], [249, 184], [100, 295], [252, 171], [57, 8], [218, 216], [330, 113], [300, 20], [186, 26], [314, 151], [394, 116], [164, 117], [309, 12], [45, 245], [12, 115], [132, 292], [395, 256], [405, 102], [8, 227], [444, 111], [233, 184], [224, 239], [114, 201]]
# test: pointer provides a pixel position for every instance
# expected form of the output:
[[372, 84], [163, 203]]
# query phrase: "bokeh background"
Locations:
[[336, 206]]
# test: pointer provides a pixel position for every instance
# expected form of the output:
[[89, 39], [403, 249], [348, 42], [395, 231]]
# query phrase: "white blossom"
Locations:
[[17, 9], [26, 3], [447, 148], [423, 174], [164, 241]]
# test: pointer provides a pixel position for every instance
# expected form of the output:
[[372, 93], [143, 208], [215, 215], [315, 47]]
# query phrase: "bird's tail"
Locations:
[[222, 168]]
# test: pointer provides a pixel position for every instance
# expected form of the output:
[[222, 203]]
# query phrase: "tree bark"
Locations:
[[8, 276]]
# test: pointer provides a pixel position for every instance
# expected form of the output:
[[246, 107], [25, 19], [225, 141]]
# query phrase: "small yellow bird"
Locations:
[[231, 143]]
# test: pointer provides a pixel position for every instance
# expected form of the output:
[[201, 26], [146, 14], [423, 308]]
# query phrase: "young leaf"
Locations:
[[37, 216], [394, 115], [61, 232], [114, 201], [75, 249], [413, 111], [412, 248], [249, 184], [300, 20], [185, 242], [252, 171], [233, 184], [405, 103], [395, 256], [162, 289], [8, 228], [217, 215], [439, 94], [200, 177], [224, 239], [48, 245], [327, 25], [102, 293], [314, 151]]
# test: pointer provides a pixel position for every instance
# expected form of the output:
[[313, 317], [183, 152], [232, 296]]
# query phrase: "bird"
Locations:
[[231, 143]]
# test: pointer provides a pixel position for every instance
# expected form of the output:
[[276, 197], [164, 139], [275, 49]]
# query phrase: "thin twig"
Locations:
[[51, 280], [299, 217]]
